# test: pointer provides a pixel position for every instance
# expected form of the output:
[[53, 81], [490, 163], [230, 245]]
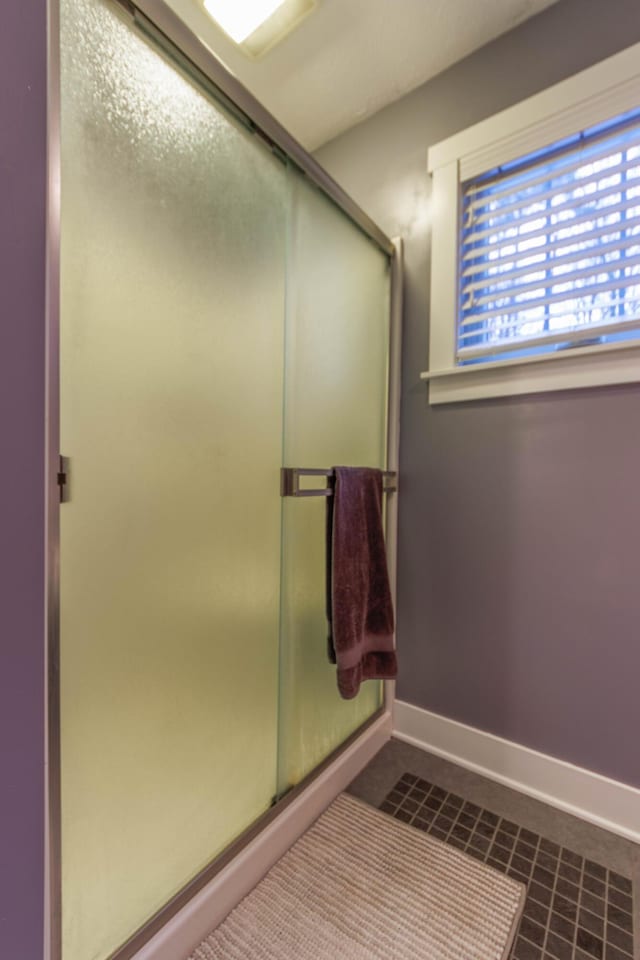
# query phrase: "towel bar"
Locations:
[[290, 482]]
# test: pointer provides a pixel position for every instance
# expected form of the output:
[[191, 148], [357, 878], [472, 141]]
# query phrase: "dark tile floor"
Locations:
[[575, 908], [579, 877]]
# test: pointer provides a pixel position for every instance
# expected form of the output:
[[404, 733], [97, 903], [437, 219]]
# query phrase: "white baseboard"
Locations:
[[210, 906], [604, 802]]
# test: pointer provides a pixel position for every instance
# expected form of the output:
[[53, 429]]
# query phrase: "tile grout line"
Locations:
[[519, 852]]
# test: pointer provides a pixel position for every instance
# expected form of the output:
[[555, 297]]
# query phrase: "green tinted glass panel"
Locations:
[[335, 413], [173, 290]]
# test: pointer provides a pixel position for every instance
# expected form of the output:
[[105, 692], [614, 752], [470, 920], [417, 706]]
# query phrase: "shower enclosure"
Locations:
[[224, 312]]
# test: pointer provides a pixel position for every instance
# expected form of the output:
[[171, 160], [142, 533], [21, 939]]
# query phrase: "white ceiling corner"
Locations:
[[350, 58]]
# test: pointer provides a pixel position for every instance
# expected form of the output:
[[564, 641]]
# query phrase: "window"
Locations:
[[536, 242], [550, 250]]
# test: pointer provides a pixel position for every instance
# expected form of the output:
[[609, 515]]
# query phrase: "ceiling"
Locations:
[[349, 58]]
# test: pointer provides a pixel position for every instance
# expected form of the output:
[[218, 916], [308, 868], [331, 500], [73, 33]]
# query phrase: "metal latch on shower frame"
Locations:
[[64, 468]]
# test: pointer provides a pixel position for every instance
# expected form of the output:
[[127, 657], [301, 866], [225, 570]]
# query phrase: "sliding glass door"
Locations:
[[173, 287], [206, 287], [336, 362]]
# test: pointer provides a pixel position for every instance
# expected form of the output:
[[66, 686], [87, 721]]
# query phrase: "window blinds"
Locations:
[[550, 249]]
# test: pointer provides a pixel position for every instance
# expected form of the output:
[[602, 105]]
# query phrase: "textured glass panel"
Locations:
[[173, 287], [335, 413]]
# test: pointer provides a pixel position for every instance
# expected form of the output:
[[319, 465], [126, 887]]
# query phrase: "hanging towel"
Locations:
[[359, 607]]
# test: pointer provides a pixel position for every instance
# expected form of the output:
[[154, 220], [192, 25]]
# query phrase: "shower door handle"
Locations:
[[63, 479]]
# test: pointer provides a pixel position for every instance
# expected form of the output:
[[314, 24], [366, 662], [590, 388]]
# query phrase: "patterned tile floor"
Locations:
[[575, 909]]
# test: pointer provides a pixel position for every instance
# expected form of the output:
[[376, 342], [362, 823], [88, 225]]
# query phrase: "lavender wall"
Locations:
[[519, 569], [22, 259]]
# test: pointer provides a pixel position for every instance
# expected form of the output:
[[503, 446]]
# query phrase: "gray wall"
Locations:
[[22, 253], [519, 566]]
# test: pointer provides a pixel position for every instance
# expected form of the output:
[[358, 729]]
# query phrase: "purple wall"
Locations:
[[22, 288], [519, 570]]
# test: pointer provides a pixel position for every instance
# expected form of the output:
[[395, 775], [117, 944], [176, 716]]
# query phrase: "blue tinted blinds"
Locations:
[[550, 249]]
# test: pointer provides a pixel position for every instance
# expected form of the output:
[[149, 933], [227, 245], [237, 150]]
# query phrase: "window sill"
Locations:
[[567, 370]]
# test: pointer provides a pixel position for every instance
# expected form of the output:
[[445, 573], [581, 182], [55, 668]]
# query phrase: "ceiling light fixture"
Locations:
[[241, 18], [256, 25]]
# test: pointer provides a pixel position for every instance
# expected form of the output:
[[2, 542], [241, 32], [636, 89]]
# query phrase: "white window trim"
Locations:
[[590, 97]]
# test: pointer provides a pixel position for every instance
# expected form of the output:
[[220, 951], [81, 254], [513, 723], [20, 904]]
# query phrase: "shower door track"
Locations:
[[134, 948], [163, 26]]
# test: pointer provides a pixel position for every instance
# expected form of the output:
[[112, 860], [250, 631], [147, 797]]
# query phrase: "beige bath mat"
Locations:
[[360, 885]]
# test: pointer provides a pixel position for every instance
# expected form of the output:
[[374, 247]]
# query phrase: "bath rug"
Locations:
[[360, 885]]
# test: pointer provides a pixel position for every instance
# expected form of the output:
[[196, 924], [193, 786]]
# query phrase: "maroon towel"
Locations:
[[359, 607]]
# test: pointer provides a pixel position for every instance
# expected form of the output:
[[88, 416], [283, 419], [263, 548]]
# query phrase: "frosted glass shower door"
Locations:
[[172, 328], [336, 367]]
